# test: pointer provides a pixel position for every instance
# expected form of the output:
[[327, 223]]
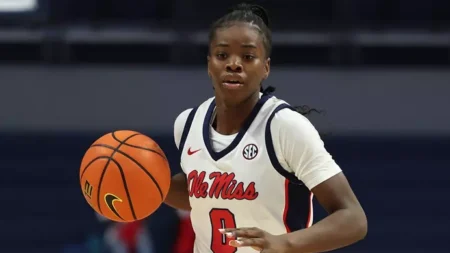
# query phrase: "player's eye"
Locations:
[[249, 57], [221, 55]]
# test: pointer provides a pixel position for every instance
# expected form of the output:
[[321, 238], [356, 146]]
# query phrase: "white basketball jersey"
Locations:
[[243, 185]]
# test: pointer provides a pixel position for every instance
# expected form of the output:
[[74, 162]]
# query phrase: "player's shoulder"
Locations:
[[180, 123], [182, 118], [286, 118]]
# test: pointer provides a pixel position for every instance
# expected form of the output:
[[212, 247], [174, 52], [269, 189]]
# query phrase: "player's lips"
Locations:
[[232, 85], [232, 82]]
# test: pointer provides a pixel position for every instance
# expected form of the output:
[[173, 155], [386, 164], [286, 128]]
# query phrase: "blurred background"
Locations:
[[73, 70]]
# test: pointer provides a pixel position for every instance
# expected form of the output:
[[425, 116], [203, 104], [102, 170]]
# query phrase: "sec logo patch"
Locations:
[[250, 151]]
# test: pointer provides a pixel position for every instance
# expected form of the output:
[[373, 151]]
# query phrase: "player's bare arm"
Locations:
[[178, 196], [345, 225]]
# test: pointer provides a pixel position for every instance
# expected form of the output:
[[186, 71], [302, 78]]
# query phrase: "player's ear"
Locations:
[[267, 68]]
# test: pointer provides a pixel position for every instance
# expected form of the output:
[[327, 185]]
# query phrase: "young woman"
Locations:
[[251, 163]]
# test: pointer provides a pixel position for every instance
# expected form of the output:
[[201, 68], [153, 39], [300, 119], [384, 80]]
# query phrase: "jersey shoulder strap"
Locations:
[[271, 149], [187, 127]]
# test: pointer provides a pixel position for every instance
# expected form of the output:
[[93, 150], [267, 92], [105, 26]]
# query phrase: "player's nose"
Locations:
[[234, 65]]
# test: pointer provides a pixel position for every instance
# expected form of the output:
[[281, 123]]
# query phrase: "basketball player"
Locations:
[[252, 163]]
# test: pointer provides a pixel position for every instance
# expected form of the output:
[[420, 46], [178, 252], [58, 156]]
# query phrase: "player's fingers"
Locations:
[[229, 232], [248, 233], [226, 230], [243, 232], [234, 229], [258, 243]]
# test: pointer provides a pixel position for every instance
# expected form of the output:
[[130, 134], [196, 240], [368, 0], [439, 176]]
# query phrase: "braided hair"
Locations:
[[246, 13]]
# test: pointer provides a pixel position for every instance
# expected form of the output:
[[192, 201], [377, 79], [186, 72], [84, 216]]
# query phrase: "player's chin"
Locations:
[[234, 99]]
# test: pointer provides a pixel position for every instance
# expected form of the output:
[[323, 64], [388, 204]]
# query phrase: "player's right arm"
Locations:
[[178, 196]]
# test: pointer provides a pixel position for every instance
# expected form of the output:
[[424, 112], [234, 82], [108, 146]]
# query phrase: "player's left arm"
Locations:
[[305, 154], [301, 149], [346, 223]]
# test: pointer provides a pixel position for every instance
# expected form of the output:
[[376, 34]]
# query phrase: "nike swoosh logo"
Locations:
[[109, 200], [190, 152]]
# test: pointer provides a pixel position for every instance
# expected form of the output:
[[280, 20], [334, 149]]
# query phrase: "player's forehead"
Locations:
[[238, 34]]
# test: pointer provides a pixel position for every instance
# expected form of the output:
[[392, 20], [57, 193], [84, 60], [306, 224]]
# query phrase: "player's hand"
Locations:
[[258, 239]]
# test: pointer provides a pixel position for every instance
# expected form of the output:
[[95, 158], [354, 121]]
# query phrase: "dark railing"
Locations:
[[312, 33]]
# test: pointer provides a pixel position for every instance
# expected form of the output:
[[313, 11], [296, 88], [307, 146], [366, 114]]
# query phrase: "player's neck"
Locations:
[[229, 119]]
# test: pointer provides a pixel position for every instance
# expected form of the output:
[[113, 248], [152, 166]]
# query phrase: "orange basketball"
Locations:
[[125, 176]]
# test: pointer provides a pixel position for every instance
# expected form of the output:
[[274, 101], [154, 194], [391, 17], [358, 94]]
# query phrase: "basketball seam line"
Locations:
[[137, 163], [126, 188], [134, 146], [103, 174], [90, 163]]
